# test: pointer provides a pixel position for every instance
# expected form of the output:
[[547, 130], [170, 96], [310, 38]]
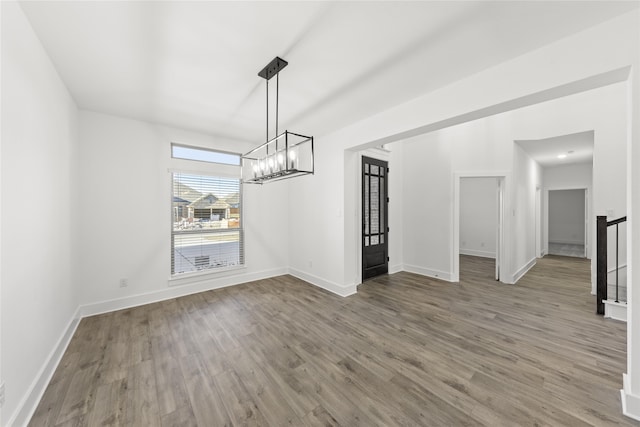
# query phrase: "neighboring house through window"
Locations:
[[206, 232]]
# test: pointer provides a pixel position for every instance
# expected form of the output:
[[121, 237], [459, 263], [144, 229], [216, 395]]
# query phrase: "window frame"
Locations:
[[211, 150], [214, 170]]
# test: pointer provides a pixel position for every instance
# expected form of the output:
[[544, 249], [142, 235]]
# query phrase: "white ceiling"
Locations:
[[578, 148], [194, 65]]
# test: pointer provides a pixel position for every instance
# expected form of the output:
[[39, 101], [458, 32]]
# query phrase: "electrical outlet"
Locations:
[[1, 395], [124, 283]]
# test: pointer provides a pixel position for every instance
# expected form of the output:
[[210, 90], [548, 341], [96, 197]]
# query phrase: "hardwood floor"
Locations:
[[406, 350]]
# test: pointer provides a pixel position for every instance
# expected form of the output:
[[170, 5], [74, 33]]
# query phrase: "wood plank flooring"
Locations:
[[405, 351]]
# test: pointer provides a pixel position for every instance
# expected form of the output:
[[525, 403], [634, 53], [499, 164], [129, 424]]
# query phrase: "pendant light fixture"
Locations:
[[286, 155]]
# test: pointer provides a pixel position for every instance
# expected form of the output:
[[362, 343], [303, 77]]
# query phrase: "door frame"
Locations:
[[382, 247], [587, 217], [379, 154], [501, 251], [538, 215]]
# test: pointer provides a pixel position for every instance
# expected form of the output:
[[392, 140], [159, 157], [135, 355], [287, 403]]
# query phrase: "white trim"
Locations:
[[630, 401], [505, 177], [377, 153], [206, 284], [27, 406], [199, 276], [395, 268], [523, 270], [615, 310], [436, 274], [474, 252], [343, 291], [567, 242]]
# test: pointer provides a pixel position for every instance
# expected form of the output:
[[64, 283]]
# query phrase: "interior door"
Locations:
[[375, 246]]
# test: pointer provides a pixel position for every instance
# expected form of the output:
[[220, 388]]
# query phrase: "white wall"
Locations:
[[432, 162], [426, 209], [527, 177], [126, 195], [567, 217], [478, 216], [39, 205], [604, 111], [396, 197], [324, 249], [576, 63], [630, 395]]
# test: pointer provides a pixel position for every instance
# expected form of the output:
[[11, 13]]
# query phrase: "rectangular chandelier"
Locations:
[[287, 155]]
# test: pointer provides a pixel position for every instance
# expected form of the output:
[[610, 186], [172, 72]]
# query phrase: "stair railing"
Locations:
[[602, 225]]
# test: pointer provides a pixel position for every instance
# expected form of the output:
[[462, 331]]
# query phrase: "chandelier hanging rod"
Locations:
[[286, 155]]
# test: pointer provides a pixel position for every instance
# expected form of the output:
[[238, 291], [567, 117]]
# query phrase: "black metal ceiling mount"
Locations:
[[273, 68]]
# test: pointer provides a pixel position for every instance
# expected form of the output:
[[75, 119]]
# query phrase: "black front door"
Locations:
[[375, 248]]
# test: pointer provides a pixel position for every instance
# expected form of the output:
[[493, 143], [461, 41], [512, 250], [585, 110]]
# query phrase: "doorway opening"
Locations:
[[568, 222], [479, 201], [478, 224]]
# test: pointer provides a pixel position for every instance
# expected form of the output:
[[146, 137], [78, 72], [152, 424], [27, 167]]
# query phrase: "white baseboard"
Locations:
[[436, 274], [27, 406], [343, 291], [474, 252], [615, 310], [206, 284], [523, 270], [567, 242], [396, 268], [630, 401]]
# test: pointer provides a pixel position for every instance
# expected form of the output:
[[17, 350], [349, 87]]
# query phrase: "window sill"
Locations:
[[199, 276]]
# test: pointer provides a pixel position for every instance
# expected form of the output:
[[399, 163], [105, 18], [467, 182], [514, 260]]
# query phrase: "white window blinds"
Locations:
[[207, 229]]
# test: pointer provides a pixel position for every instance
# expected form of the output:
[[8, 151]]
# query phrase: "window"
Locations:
[[207, 231], [204, 155]]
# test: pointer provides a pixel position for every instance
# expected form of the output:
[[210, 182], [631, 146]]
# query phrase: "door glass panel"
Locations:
[[374, 170], [375, 205], [383, 199], [366, 168], [382, 238], [366, 203], [375, 240], [366, 241]]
